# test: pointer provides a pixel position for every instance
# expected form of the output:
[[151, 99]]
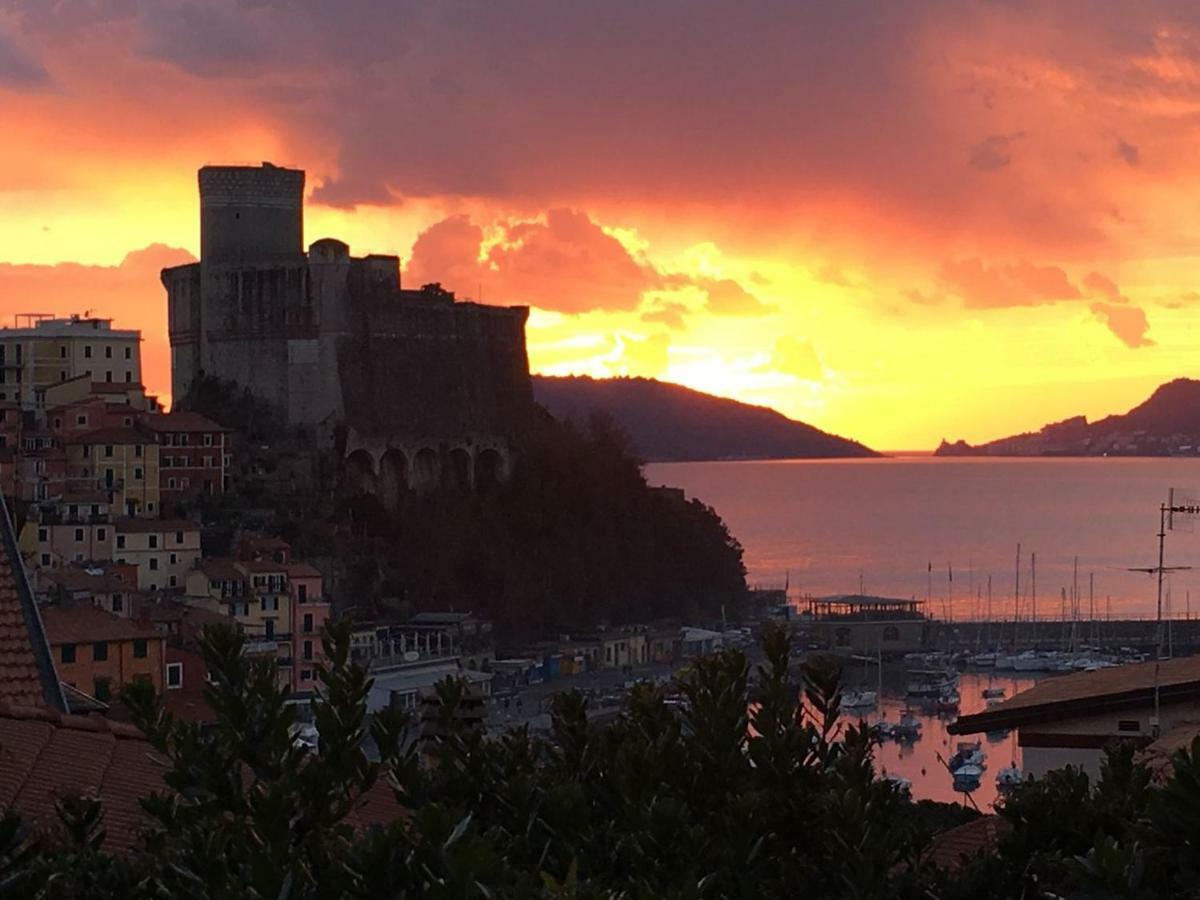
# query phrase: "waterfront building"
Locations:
[[855, 623]]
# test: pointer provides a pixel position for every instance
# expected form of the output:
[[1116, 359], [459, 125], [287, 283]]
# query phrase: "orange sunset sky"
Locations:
[[899, 221]]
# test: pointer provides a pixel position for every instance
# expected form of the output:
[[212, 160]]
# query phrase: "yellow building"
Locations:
[[67, 531], [164, 551], [122, 461], [99, 653], [43, 351]]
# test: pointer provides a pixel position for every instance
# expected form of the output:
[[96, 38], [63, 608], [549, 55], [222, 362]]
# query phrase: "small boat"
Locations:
[[993, 693], [858, 699], [948, 701], [881, 728], [908, 728], [968, 778], [1009, 777], [968, 753], [1004, 662], [902, 785], [1029, 662], [983, 660]]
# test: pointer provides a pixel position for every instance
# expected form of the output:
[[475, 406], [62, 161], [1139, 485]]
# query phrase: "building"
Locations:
[[193, 457], [165, 551], [43, 350], [1069, 720], [69, 530], [99, 653], [853, 623], [121, 461], [103, 588], [415, 387], [310, 611]]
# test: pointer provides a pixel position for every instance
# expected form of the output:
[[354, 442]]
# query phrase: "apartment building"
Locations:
[[67, 530], [193, 455], [165, 551], [310, 612], [99, 653], [123, 461], [42, 350]]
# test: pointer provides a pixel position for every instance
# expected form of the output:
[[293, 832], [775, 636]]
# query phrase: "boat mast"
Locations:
[[1033, 594], [1017, 597]]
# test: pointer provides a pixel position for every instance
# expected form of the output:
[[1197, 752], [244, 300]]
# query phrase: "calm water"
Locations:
[[828, 524]]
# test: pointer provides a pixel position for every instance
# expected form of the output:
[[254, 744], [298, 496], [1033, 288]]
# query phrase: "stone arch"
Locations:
[[360, 472], [393, 477], [426, 472], [489, 469], [457, 473]]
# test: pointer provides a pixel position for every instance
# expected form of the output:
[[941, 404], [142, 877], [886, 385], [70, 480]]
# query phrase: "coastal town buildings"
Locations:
[[99, 653], [165, 551]]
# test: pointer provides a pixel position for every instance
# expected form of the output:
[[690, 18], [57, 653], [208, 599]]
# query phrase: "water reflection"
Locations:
[[918, 760]]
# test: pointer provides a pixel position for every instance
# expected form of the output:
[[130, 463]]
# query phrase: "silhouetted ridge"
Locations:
[[667, 422], [1167, 424]]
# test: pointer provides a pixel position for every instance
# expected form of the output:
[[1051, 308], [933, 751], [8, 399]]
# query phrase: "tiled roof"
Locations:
[[27, 674], [82, 623], [951, 849], [222, 568], [301, 570], [1108, 688], [181, 421], [1157, 755], [45, 755]]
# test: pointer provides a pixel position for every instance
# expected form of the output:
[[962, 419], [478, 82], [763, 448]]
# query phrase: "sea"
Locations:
[[941, 530]]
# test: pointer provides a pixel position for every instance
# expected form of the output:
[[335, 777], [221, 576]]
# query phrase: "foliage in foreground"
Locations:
[[749, 791]]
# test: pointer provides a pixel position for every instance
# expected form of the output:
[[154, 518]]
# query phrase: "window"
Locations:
[[171, 484], [118, 603], [67, 653], [43, 535], [270, 627], [263, 604], [308, 623], [128, 377], [108, 451], [62, 352], [150, 506], [179, 537], [208, 440], [308, 650], [137, 448], [153, 541], [100, 651], [306, 674], [302, 593], [154, 564], [108, 352], [1129, 725], [45, 559], [101, 690], [137, 473], [87, 351], [140, 649], [101, 534], [174, 559], [120, 542], [128, 354], [108, 376], [174, 675], [78, 535], [173, 581]]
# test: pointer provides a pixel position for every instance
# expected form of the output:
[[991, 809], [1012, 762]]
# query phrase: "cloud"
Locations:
[[994, 152], [1128, 323], [447, 252], [669, 313], [1006, 284], [1128, 152], [130, 293], [1106, 287], [728, 298], [18, 69], [798, 357], [832, 274]]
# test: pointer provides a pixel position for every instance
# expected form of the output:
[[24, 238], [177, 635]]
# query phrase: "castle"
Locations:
[[416, 388]]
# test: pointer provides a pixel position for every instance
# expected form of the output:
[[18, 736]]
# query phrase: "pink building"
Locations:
[[310, 611]]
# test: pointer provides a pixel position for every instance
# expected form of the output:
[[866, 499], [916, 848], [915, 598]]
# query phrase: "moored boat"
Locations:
[[1009, 777]]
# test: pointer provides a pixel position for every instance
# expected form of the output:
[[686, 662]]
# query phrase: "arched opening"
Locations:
[[457, 473], [489, 470], [360, 472], [393, 478], [891, 633], [425, 471]]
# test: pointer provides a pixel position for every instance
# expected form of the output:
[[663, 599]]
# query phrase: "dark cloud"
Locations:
[[994, 152], [1129, 153], [18, 68], [1006, 284]]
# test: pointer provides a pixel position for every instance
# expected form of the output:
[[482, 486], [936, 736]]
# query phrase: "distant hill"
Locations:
[[667, 422], [1167, 424]]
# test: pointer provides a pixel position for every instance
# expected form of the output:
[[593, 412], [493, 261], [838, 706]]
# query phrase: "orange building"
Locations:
[[99, 653]]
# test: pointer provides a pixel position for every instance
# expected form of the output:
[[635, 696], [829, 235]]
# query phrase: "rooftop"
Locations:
[[71, 326], [1086, 693], [27, 674], [181, 421], [73, 578], [82, 623], [953, 848]]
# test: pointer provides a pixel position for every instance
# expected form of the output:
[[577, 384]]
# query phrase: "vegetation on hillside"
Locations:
[[747, 791]]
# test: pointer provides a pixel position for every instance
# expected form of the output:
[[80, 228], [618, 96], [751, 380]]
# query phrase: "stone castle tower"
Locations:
[[423, 388]]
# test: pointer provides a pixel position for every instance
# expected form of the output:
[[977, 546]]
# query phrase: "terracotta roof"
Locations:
[[75, 579], [1158, 754], [952, 849], [262, 565], [181, 421], [301, 570], [1103, 689], [127, 525], [81, 623], [27, 674], [221, 567], [45, 755]]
